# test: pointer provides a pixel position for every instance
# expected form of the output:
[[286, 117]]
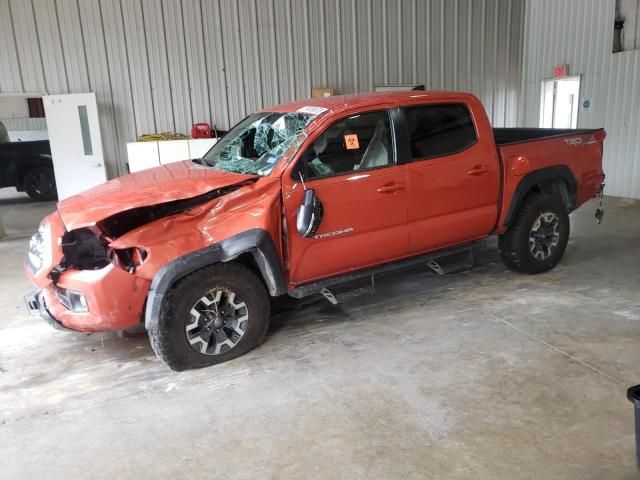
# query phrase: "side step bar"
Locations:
[[429, 259]]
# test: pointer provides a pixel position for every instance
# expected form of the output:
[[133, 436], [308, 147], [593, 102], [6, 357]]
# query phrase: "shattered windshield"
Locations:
[[256, 144]]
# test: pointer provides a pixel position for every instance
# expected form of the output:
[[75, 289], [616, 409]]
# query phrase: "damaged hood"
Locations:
[[167, 183]]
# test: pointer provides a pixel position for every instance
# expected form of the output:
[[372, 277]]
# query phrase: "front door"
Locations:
[[453, 177], [76, 145], [351, 166]]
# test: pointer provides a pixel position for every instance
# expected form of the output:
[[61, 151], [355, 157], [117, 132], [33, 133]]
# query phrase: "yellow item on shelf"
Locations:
[[158, 137]]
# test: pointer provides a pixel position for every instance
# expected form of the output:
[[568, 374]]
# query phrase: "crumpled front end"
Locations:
[[97, 276], [85, 285]]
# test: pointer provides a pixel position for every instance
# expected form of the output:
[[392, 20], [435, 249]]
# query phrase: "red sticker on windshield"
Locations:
[[351, 141]]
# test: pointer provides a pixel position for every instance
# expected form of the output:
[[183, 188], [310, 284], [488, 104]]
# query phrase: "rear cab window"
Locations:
[[355, 143], [439, 130]]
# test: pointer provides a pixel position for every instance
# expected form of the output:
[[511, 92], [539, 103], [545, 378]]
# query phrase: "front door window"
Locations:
[[357, 143]]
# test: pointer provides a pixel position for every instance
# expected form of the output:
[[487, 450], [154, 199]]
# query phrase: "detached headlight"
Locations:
[[39, 254]]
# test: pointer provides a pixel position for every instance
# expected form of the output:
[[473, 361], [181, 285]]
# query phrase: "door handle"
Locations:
[[478, 170], [96, 165], [390, 188]]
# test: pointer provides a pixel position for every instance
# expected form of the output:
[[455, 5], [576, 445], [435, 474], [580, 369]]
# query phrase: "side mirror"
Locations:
[[309, 214]]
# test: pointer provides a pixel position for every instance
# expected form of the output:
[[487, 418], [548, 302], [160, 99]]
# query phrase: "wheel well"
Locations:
[[556, 186], [247, 259], [22, 174], [24, 170], [558, 180]]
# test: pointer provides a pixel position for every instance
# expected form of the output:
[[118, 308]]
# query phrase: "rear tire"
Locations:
[[40, 184], [538, 237], [211, 316]]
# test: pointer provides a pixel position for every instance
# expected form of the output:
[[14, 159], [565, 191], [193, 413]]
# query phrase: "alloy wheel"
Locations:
[[217, 322], [544, 235]]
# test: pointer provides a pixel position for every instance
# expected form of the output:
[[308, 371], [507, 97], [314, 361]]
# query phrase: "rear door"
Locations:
[[352, 167], [453, 176]]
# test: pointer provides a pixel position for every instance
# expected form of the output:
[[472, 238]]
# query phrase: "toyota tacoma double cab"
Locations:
[[299, 198]]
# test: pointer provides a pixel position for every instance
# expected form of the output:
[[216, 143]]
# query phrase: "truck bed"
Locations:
[[526, 150], [507, 136]]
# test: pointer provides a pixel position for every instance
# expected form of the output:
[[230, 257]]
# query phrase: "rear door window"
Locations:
[[359, 142], [439, 130]]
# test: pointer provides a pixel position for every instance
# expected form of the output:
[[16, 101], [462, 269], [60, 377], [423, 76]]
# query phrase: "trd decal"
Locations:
[[574, 141]]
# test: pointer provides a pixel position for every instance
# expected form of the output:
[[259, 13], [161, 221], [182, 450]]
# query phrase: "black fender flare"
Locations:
[[535, 178], [256, 241]]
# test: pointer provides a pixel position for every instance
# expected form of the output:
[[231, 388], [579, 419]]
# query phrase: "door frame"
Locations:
[[543, 96]]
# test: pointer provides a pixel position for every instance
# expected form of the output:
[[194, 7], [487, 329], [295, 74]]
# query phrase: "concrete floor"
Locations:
[[483, 375]]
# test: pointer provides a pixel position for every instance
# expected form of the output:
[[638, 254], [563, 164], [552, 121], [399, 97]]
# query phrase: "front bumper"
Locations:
[[115, 298], [37, 308]]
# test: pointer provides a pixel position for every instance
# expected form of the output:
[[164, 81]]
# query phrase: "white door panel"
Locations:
[[76, 144]]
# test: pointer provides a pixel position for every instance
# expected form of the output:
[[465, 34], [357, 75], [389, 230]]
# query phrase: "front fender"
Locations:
[[256, 241]]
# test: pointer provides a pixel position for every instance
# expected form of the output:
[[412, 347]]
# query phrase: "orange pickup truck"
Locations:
[[297, 199]]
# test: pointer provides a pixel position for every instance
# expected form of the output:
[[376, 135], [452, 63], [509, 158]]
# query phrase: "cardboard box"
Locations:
[[322, 92]]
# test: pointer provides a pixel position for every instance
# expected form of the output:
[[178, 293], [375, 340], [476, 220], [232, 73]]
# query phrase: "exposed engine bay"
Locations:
[[123, 222], [88, 248]]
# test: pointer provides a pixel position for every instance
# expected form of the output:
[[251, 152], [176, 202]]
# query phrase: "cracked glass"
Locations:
[[257, 143]]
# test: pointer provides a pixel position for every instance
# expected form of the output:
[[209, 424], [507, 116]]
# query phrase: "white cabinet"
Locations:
[[143, 155]]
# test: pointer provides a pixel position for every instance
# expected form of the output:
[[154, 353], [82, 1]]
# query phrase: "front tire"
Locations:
[[40, 184], [536, 241], [211, 316]]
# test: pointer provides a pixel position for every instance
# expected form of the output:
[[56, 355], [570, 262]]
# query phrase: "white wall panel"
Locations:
[[135, 39], [214, 54], [580, 33], [94, 38], [24, 124], [161, 65], [73, 46], [177, 61], [10, 75], [27, 46], [115, 45], [157, 62], [195, 47], [49, 40]]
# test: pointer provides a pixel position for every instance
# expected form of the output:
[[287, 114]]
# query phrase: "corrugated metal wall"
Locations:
[[580, 33], [162, 65], [12, 124]]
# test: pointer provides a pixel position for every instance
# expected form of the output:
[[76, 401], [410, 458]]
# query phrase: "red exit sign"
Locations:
[[561, 70]]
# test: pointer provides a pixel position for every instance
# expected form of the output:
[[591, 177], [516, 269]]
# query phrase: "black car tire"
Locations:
[[169, 338], [537, 239], [40, 184]]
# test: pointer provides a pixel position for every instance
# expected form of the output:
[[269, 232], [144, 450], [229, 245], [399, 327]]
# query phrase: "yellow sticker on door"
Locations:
[[351, 141]]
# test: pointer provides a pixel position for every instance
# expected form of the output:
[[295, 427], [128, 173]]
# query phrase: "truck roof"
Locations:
[[347, 102]]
